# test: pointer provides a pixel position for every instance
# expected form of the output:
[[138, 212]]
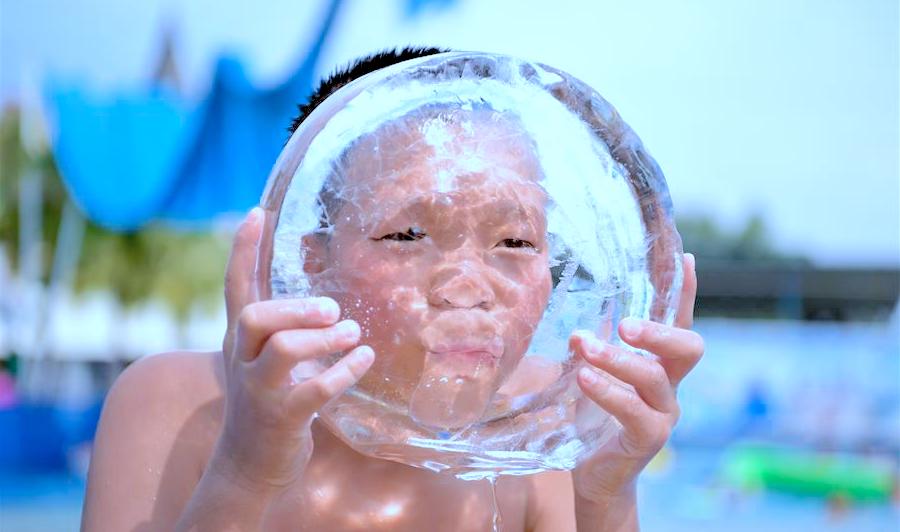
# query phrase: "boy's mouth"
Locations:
[[492, 350], [464, 333], [463, 352]]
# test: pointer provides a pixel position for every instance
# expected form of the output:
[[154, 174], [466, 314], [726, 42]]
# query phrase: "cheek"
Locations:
[[526, 298], [387, 298], [368, 271], [386, 295], [525, 283], [539, 297]]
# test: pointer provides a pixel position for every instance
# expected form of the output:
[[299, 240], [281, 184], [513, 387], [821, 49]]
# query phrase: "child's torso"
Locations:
[[344, 490]]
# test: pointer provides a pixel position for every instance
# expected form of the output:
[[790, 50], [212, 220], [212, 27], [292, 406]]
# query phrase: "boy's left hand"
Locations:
[[639, 391]]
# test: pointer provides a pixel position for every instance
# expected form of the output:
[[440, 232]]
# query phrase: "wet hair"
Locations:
[[355, 70]]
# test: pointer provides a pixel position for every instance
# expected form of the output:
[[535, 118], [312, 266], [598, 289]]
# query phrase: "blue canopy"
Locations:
[[152, 155]]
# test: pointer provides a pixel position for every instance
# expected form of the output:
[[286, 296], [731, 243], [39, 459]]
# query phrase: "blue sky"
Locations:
[[789, 109]]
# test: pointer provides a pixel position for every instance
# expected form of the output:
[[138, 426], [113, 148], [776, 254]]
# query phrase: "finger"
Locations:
[[240, 274], [287, 348], [647, 376], [258, 321], [643, 427], [679, 350], [684, 318], [309, 396]]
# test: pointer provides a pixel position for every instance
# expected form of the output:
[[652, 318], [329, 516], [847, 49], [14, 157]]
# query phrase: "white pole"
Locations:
[[65, 264]]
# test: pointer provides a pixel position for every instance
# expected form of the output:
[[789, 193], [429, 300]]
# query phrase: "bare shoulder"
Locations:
[[551, 504], [159, 422], [162, 391], [175, 381]]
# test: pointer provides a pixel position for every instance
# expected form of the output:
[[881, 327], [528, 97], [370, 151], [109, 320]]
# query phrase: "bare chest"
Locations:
[[344, 490], [368, 495]]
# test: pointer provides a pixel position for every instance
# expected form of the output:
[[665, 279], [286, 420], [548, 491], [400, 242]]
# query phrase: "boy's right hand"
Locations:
[[265, 441]]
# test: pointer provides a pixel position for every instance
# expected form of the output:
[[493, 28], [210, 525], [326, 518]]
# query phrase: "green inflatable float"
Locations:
[[804, 472]]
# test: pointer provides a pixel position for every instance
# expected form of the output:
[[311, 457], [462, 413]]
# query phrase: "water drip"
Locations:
[[496, 520]]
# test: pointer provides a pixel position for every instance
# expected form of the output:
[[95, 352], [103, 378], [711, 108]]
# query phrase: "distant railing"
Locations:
[[737, 289]]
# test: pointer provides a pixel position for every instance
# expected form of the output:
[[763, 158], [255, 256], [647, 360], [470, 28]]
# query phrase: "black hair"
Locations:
[[355, 70]]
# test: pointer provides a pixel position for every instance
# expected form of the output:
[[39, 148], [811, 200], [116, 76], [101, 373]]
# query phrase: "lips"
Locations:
[[492, 349], [459, 370], [468, 333]]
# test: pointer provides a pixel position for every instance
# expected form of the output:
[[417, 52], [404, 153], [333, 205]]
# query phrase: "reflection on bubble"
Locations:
[[470, 211]]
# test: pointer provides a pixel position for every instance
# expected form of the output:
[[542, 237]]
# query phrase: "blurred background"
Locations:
[[134, 135]]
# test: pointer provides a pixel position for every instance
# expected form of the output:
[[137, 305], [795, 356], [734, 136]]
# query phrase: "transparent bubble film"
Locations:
[[470, 211]]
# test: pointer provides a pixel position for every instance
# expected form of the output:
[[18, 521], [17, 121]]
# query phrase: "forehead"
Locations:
[[446, 152]]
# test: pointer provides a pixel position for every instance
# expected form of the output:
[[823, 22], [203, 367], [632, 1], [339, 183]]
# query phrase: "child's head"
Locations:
[[437, 246], [433, 198]]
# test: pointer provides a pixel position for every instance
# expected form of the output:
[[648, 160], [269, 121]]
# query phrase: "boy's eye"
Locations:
[[410, 235], [514, 243]]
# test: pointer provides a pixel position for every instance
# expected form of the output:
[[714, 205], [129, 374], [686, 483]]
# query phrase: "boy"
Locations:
[[230, 444]]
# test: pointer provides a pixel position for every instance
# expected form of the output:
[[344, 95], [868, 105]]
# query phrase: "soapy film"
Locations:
[[471, 211]]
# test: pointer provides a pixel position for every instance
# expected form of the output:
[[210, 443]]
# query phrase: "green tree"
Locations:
[[708, 241], [178, 266]]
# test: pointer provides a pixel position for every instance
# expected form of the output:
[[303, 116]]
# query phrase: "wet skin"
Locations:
[[441, 257]]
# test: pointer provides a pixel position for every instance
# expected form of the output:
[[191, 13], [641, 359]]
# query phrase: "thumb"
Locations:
[[241, 275]]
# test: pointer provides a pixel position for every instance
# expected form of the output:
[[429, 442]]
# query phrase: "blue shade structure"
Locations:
[[133, 158]]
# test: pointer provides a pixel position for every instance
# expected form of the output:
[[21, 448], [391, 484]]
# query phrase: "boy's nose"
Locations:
[[461, 286]]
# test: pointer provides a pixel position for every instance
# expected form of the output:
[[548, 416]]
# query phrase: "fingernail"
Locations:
[[630, 328], [347, 329], [254, 214], [692, 259], [366, 354], [595, 346], [589, 376], [328, 307]]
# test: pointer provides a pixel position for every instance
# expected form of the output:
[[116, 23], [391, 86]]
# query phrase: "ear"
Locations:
[[316, 252]]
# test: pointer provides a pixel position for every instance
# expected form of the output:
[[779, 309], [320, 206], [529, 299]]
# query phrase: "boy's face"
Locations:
[[439, 251]]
